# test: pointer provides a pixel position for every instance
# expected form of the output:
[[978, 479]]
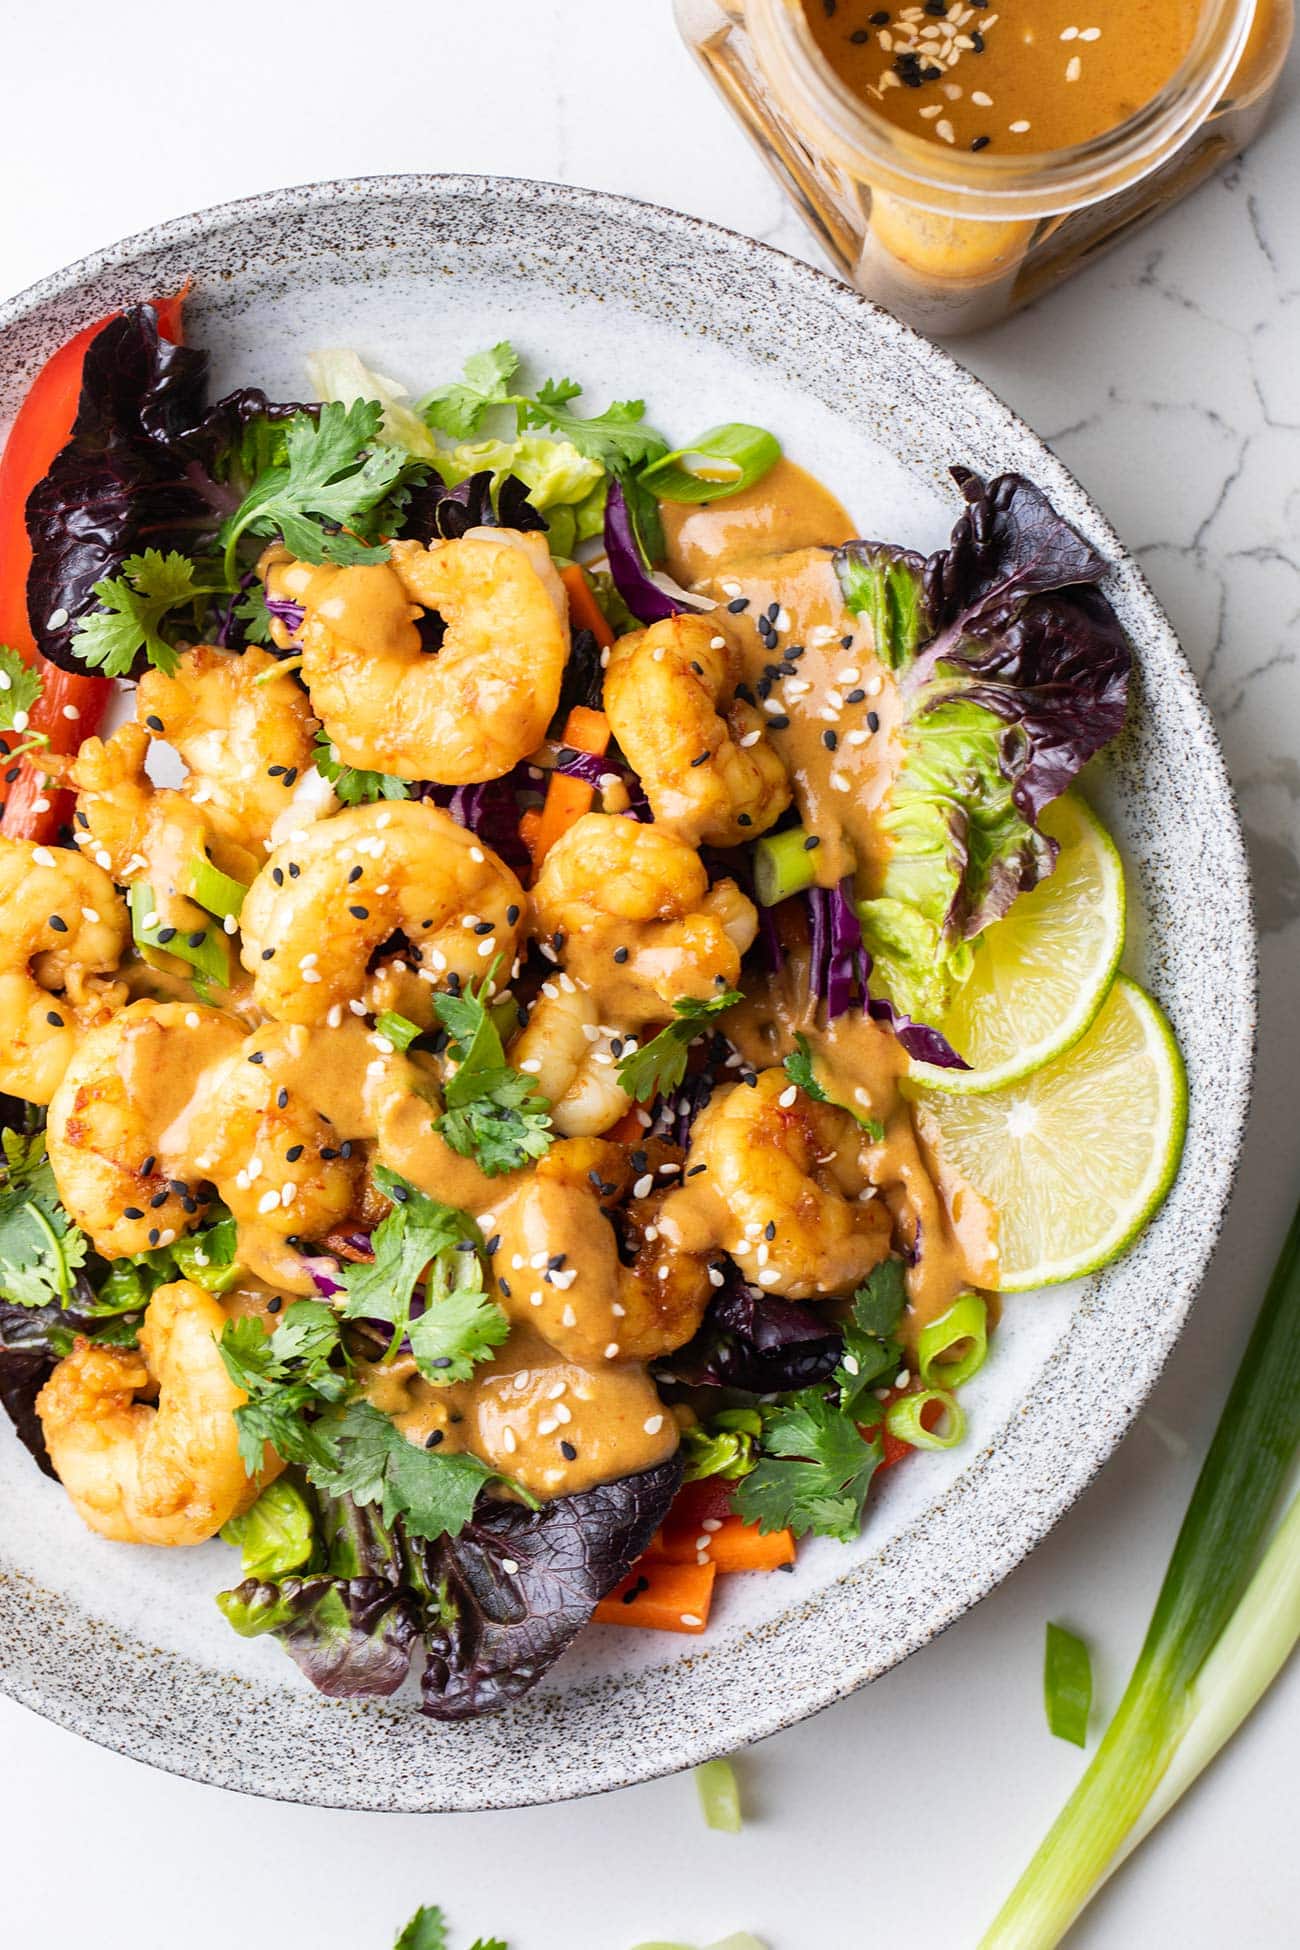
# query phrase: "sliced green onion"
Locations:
[[783, 864], [279, 669], [205, 949], [1224, 1624], [214, 890], [903, 1419], [208, 1257], [719, 1793], [1067, 1685], [722, 461], [952, 1348], [400, 1031]]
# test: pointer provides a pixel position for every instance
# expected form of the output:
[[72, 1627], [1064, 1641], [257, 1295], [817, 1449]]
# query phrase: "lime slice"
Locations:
[[1039, 976], [1076, 1158]]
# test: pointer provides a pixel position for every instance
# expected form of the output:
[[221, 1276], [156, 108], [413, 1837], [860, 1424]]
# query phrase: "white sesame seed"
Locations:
[[531, 1065], [42, 856], [750, 738], [536, 1298], [653, 1424], [1018, 128], [1090, 34], [715, 1278], [313, 975], [619, 1313], [509, 1566], [768, 1276], [839, 781], [71, 713], [334, 1016], [269, 1202], [787, 1097], [547, 1426], [689, 1618], [772, 705], [717, 643], [902, 1378], [1073, 68], [563, 1413], [568, 1318], [288, 1193], [981, 100], [872, 687], [56, 619], [509, 1440], [357, 1008], [191, 1019], [643, 1186], [611, 1351]]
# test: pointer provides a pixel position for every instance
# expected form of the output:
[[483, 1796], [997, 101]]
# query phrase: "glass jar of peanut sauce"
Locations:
[[955, 220]]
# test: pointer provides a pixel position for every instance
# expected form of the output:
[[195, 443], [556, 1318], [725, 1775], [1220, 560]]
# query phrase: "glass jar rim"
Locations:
[[985, 184]]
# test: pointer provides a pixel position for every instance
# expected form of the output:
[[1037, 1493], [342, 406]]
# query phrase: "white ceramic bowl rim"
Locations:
[[608, 1731]]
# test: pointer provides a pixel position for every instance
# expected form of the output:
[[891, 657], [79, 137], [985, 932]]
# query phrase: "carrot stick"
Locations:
[[567, 799], [661, 1598], [732, 1546], [584, 610]]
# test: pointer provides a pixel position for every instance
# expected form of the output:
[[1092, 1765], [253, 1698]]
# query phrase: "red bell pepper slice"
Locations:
[[71, 707]]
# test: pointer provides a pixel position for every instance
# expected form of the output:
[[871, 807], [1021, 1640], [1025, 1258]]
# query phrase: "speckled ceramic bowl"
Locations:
[[126, 1646]]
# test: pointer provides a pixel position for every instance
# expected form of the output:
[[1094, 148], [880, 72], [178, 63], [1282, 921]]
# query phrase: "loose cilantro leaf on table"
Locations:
[[492, 1112], [659, 1065], [434, 1248], [370, 1460], [133, 608], [40, 1248], [815, 1470], [354, 787], [335, 474], [287, 1377]]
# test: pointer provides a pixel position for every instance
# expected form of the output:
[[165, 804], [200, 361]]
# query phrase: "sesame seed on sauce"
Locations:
[[568, 1451], [58, 923], [873, 720]]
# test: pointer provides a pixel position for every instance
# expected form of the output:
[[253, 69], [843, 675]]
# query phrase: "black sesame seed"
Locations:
[[154, 1235], [565, 755], [769, 1230], [81, 818], [267, 953], [154, 724], [977, 41], [505, 1287], [512, 914], [148, 1165], [873, 720], [178, 1186], [132, 1212], [165, 935], [277, 875], [294, 869], [401, 1194], [701, 758], [621, 955], [361, 913], [441, 1361], [695, 1170], [275, 771], [936, 7], [483, 927], [54, 1019], [465, 1246], [846, 643], [355, 875], [258, 1056], [743, 819], [274, 1304], [812, 842], [932, 73], [433, 1438], [190, 1205], [830, 739], [880, 18], [859, 37], [197, 939], [773, 611], [855, 697], [58, 923], [981, 142], [740, 604], [293, 1154], [594, 1177], [493, 1244], [282, 1098], [291, 775], [781, 723], [697, 668], [328, 1153], [158, 1200], [568, 1451]]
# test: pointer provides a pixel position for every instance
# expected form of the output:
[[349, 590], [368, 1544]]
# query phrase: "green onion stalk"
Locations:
[[1224, 1624]]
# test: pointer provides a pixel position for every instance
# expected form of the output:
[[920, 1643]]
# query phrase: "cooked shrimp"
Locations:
[[703, 755], [467, 711], [63, 931], [640, 924], [784, 1191], [284, 1169], [118, 1130], [141, 832], [326, 900], [244, 731], [559, 1267], [572, 1057], [145, 1474]]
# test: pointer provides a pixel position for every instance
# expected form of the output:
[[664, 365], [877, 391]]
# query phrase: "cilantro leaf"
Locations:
[[355, 788], [492, 1113], [425, 1931], [253, 616], [815, 1470], [287, 1376], [879, 1302], [40, 1248], [335, 474], [618, 438], [20, 686], [459, 410], [659, 1065], [798, 1067], [133, 606], [371, 1461], [432, 1246]]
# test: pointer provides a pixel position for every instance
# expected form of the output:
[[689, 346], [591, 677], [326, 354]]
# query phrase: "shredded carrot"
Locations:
[[661, 1598], [567, 799], [584, 610], [628, 1130], [731, 1546]]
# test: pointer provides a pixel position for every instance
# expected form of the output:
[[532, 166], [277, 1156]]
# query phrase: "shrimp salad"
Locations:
[[478, 887]]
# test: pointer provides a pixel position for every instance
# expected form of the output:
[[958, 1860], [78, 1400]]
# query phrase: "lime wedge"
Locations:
[[1039, 976], [1075, 1158]]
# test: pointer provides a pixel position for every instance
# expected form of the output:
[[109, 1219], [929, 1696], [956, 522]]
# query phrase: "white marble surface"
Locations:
[[1167, 378]]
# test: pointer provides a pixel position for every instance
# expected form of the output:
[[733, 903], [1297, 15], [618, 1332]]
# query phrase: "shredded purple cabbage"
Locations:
[[926, 1045], [755, 1341], [648, 592], [490, 811], [324, 1273], [286, 612], [840, 963]]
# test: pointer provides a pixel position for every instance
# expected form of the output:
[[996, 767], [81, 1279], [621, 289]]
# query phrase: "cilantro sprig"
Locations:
[[136, 606], [20, 689], [659, 1065], [618, 438], [815, 1470], [492, 1113], [289, 1378], [334, 475], [370, 1460], [40, 1248], [426, 1283], [353, 786], [798, 1067]]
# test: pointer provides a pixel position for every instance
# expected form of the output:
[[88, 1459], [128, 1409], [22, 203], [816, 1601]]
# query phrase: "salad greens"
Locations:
[[40, 1248]]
